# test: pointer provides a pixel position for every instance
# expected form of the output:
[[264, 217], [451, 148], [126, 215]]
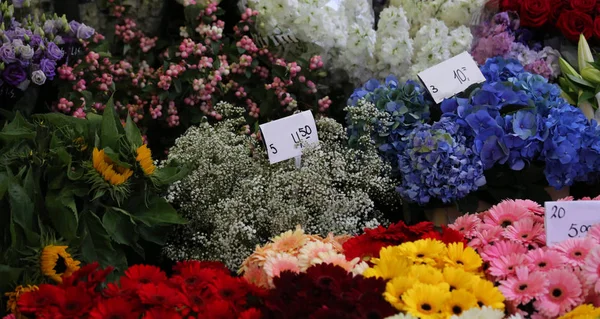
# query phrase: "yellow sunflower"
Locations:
[[13, 298], [424, 251], [111, 172], [80, 142], [395, 288], [457, 278], [426, 274], [56, 262], [487, 294], [144, 157], [586, 311], [463, 257], [426, 301], [460, 300]]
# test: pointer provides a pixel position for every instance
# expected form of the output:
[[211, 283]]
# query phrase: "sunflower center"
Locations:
[[457, 310], [420, 255], [542, 264], [556, 292], [61, 265], [426, 307], [522, 287]]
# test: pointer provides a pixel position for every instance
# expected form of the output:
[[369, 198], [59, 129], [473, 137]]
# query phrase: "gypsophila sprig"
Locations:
[[235, 200]]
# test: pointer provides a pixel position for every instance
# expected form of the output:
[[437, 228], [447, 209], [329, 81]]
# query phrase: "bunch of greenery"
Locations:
[[88, 185]]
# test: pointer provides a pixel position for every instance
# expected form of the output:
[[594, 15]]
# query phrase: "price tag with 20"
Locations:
[[285, 138], [564, 220], [451, 77]]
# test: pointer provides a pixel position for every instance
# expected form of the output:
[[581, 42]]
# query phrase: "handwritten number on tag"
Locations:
[[558, 212], [459, 74], [273, 149], [433, 89], [574, 230]]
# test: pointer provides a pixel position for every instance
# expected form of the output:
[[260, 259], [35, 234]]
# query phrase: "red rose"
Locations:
[[583, 5], [534, 13], [510, 5], [573, 23], [597, 27], [558, 6]]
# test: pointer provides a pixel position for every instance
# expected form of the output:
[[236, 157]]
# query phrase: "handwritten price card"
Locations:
[[566, 220], [451, 76], [286, 137]]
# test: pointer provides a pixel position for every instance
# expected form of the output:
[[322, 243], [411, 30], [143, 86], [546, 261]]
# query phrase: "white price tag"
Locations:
[[286, 137], [564, 220], [451, 77]]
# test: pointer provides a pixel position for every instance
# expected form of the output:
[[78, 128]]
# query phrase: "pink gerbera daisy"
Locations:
[[467, 225], [502, 248], [525, 231], [544, 259], [277, 263], [597, 197], [531, 206], [563, 293], [488, 235], [524, 286], [594, 233], [575, 250], [591, 270], [505, 266], [566, 199], [505, 213]]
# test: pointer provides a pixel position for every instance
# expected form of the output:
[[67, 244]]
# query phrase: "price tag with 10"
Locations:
[[451, 77], [285, 138], [569, 219]]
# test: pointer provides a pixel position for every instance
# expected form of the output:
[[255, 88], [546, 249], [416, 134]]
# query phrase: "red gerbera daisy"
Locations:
[[251, 313], [39, 300], [160, 313], [219, 309], [231, 289], [160, 295], [192, 276], [90, 274], [77, 302], [115, 308], [364, 247], [184, 266], [142, 274]]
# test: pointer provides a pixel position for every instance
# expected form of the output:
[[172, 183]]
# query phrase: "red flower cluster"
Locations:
[[197, 290], [368, 245], [571, 17], [328, 292]]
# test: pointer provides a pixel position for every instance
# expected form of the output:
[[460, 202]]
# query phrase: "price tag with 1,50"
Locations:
[[451, 77], [285, 138], [569, 219]]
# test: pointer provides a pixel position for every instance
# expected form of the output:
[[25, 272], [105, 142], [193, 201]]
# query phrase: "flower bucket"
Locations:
[[442, 216], [557, 194]]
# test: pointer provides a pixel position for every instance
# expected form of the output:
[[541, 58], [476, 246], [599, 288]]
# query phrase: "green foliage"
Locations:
[[51, 192]]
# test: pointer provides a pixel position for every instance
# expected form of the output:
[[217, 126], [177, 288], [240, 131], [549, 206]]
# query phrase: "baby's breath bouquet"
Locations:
[[76, 189], [235, 200]]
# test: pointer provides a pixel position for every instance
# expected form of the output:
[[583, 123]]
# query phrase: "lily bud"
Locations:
[[567, 97], [591, 75], [584, 54], [586, 107], [566, 68]]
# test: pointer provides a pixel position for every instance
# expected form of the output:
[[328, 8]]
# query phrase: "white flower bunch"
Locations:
[[234, 200]]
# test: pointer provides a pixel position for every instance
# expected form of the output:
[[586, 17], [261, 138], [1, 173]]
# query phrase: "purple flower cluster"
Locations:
[[502, 37], [31, 51]]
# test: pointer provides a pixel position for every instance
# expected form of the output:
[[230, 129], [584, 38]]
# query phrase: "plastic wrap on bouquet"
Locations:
[[9, 95]]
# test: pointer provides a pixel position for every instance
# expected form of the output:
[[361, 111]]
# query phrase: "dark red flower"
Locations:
[[363, 247], [251, 313], [39, 300], [573, 23], [583, 5], [161, 313], [231, 289], [535, 13], [372, 305], [419, 230], [77, 302], [160, 295], [142, 274], [508, 5], [193, 276], [115, 308], [195, 264], [220, 309]]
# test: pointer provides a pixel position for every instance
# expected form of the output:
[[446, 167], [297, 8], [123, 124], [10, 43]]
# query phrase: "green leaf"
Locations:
[[122, 230], [17, 134], [169, 175], [132, 132], [177, 84], [586, 95], [95, 243], [114, 156], [9, 276], [109, 134], [23, 211], [580, 81], [63, 212], [158, 212], [3, 184], [156, 234]]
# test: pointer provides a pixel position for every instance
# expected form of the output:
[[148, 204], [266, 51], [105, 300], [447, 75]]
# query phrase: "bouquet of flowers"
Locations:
[[196, 289], [503, 36], [236, 200], [87, 187], [32, 49], [535, 279]]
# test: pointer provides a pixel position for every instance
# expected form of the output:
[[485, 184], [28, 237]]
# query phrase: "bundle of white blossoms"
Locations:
[[411, 35], [234, 199]]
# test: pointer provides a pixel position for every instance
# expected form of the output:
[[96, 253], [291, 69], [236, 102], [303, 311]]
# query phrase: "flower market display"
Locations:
[[250, 159]]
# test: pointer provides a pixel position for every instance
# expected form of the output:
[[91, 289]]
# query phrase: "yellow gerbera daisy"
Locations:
[[56, 262], [13, 298], [424, 251], [457, 278], [395, 288], [460, 300], [111, 173], [487, 294], [426, 274], [144, 157], [586, 311], [463, 257], [390, 264], [426, 301]]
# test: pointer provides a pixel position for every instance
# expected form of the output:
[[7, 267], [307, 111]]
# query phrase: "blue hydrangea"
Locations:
[[438, 164]]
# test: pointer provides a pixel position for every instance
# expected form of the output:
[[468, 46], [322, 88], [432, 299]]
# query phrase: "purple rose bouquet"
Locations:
[[32, 49]]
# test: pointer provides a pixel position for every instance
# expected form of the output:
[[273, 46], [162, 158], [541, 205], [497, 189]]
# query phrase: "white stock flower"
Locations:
[[38, 77]]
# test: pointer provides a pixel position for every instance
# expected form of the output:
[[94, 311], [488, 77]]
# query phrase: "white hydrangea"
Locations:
[[234, 200]]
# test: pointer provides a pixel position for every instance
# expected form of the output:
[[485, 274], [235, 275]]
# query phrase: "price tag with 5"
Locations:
[[285, 138], [565, 220], [451, 77]]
